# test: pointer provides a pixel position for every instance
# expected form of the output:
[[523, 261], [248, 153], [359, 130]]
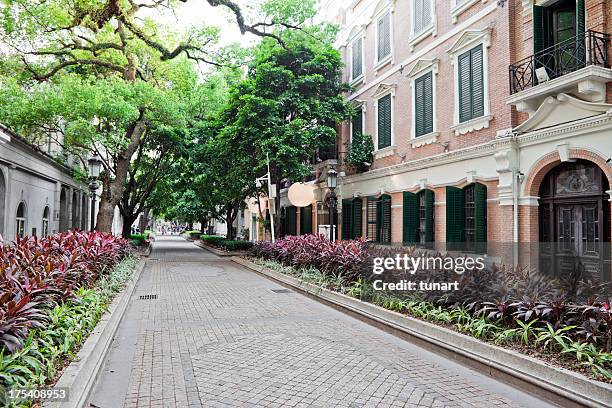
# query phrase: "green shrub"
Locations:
[[194, 234], [235, 245], [212, 239]]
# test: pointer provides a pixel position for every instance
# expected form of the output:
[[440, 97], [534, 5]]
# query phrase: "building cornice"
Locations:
[[588, 125]]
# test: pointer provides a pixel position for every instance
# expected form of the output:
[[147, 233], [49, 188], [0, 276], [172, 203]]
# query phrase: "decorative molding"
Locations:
[[424, 139], [385, 152], [470, 38], [570, 109], [430, 31], [384, 89], [472, 125], [458, 9], [422, 66], [563, 150]]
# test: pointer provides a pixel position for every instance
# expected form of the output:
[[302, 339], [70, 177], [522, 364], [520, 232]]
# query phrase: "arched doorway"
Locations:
[[63, 215], [574, 221]]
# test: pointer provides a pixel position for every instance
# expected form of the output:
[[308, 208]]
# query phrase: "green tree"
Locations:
[[108, 63], [289, 105]]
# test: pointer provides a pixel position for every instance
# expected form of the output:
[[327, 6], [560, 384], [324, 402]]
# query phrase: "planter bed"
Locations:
[[62, 287], [558, 384]]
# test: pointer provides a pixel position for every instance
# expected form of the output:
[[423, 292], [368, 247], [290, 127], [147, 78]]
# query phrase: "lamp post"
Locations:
[[271, 193], [94, 172], [332, 180]]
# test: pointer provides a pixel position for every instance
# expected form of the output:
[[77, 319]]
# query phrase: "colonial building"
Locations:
[[492, 126], [38, 195]]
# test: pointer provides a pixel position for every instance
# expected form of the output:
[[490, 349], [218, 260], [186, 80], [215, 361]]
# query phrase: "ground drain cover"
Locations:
[[147, 297], [281, 291]]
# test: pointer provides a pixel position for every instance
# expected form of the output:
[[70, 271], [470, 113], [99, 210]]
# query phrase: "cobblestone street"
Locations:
[[219, 335]]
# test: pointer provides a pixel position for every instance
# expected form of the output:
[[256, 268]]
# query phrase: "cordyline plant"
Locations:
[[37, 274], [341, 258]]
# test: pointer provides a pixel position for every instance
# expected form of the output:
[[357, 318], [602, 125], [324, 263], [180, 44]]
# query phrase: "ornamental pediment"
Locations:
[[562, 109]]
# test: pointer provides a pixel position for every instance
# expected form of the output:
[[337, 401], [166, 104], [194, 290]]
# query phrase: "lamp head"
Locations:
[[95, 164]]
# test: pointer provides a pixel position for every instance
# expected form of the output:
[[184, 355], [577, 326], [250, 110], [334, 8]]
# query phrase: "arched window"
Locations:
[[45, 222], [21, 220]]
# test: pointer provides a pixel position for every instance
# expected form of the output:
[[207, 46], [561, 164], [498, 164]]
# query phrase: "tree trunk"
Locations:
[[202, 225], [112, 190], [127, 226]]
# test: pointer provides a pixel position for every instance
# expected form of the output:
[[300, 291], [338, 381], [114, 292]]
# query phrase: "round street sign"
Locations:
[[300, 194]]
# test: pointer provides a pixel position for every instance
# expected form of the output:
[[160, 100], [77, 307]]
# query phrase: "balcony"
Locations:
[[578, 65]]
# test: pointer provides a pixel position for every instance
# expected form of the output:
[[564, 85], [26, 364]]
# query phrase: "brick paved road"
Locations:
[[218, 335]]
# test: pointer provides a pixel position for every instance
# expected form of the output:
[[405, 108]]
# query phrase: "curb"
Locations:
[[81, 374], [558, 384], [216, 251]]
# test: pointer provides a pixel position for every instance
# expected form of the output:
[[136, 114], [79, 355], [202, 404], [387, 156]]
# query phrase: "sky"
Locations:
[[198, 12]]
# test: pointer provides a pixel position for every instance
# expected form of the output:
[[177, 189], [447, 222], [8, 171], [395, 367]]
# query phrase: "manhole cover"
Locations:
[[281, 291], [147, 297]]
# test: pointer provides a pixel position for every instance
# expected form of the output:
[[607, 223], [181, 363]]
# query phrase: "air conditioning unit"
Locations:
[[542, 75]]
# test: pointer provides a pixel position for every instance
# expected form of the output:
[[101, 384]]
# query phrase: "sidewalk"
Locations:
[[219, 335]]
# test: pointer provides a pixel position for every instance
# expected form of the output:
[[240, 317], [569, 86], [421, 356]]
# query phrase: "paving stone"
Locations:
[[217, 336]]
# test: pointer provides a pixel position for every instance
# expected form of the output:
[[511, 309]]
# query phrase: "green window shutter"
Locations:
[[477, 69], [429, 216], [465, 88], [384, 122], [419, 106], [455, 215], [357, 49], [471, 84], [384, 36], [480, 216], [580, 28], [372, 219], [410, 212], [427, 103], [306, 220], [418, 16], [539, 42], [357, 216], [384, 219], [423, 111], [291, 220], [580, 17], [347, 219], [357, 123]]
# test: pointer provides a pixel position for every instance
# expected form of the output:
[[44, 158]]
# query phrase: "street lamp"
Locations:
[[94, 172], [332, 182], [271, 193]]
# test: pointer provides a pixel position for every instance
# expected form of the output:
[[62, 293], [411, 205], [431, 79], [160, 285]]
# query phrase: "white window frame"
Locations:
[[45, 222], [388, 58], [360, 78], [360, 105], [424, 67], [415, 37], [382, 91], [21, 220], [457, 8], [467, 41]]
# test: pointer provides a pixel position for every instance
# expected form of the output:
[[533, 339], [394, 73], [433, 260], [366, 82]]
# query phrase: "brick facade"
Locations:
[[453, 159]]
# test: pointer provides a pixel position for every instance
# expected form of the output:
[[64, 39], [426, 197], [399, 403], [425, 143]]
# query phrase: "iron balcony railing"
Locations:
[[588, 48]]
